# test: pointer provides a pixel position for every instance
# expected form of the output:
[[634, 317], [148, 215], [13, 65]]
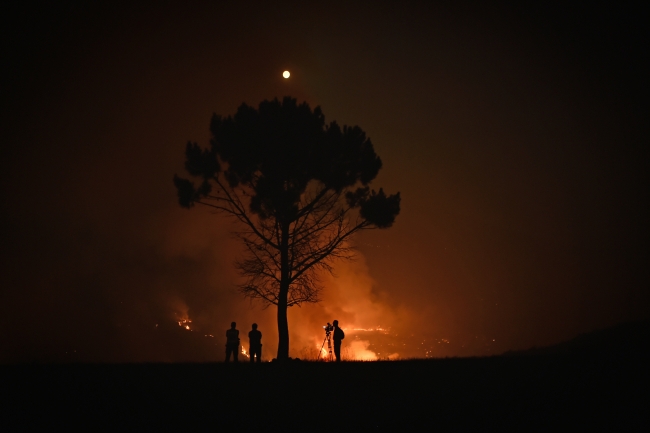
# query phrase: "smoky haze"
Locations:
[[517, 141]]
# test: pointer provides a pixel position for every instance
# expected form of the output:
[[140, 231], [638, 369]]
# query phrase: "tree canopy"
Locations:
[[297, 186]]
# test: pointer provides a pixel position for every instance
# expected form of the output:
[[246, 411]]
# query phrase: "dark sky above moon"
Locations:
[[518, 138]]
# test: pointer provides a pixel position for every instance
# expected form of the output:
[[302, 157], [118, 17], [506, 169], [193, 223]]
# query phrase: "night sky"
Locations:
[[518, 139]]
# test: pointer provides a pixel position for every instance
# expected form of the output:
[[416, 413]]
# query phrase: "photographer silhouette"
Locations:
[[338, 336]]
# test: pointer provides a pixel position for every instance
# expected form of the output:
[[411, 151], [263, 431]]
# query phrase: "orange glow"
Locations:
[[184, 323], [377, 329], [358, 350], [324, 354], [182, 318]]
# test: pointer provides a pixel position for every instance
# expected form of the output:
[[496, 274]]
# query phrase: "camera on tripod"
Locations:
[[328, 331]]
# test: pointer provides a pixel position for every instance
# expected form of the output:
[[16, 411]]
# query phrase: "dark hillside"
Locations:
[[626, 340]]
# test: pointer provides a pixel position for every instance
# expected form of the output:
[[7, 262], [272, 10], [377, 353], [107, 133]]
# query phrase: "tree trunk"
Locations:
[[283, 324], [283, 327]]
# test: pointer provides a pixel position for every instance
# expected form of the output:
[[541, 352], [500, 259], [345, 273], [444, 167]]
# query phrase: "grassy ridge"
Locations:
[[526, 393], [598, 381]]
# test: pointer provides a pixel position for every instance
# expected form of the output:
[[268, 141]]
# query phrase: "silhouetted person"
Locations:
[[255, 344], [232, 342], [338, 336]]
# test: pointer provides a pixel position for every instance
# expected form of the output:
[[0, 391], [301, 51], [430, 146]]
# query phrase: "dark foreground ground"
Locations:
[[595, 382], [540, 392]]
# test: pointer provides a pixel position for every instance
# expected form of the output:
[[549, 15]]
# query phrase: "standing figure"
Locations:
[[232, 342], [338, 336], [255, 344]]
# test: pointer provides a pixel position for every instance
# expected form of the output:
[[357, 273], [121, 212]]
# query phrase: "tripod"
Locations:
[[329, 346]]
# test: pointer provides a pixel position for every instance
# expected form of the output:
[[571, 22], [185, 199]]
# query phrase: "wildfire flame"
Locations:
[[377, 329], [184, 323], [356, 345], [243, 351], [324, 354]]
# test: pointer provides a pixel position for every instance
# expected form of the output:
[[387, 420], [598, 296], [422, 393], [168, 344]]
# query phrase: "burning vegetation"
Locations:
[[185, 323], [361, 344]]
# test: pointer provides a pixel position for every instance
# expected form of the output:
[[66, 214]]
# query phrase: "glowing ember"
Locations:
[[184, 323], [377, 329]]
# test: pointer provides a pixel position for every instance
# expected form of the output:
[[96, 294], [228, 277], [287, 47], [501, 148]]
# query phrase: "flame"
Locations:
[[358, 350], [377, 329], [243, 351], [324, 354], [355, 347], [184, 323]]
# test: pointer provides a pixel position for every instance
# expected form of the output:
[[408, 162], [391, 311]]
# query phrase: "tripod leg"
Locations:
[[329, 347], [321, 349]]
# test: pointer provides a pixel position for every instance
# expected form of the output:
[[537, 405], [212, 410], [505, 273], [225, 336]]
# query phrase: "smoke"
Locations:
[[209, 298], [350, 297]]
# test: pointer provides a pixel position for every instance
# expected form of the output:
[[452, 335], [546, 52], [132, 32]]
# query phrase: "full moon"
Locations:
[[286, 74]]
